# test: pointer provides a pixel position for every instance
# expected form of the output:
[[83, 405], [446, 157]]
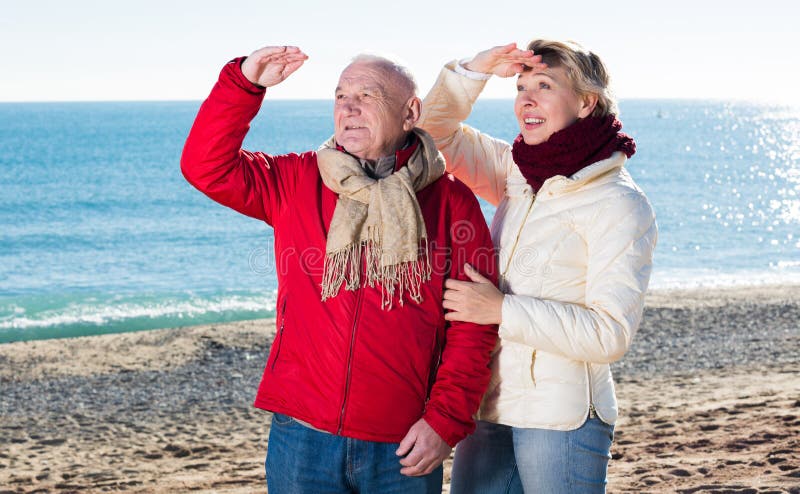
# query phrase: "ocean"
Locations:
[[99, 232]]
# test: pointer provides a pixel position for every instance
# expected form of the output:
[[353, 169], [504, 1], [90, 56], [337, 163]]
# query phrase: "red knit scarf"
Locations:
[[587, 141]]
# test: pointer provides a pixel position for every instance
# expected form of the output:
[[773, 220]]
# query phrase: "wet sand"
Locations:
[[709, 402]]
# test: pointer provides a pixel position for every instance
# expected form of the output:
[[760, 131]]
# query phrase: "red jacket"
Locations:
[[345, 365]]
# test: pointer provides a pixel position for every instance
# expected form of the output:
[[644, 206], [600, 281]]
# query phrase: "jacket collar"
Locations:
[[596, 172]]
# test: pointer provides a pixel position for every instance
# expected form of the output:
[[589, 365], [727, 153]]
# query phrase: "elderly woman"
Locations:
[[575, 237]]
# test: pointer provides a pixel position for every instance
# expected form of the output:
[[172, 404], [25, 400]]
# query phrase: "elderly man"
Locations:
[[369, 384]]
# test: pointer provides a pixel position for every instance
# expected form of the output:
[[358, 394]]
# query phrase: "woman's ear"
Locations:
[[588, 104], [412, 109]]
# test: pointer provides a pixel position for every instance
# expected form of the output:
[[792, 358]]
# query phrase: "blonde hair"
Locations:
[[585, 70]]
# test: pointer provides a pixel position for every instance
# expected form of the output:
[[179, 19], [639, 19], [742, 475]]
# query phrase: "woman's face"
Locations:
[[546, 103]]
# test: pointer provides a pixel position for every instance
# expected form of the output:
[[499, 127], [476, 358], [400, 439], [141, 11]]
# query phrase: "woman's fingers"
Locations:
[[474, 275], [458, 285], [451, 295], [503, 49], [455, 300], [477, 301], [454, 316]]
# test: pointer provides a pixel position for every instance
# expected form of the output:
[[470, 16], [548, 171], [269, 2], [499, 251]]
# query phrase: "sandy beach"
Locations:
[[709, 402]]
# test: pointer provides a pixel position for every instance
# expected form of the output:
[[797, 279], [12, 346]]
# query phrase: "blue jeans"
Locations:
[[303, 460], [498, 459]]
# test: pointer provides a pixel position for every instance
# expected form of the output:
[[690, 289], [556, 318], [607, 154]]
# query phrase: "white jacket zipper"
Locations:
[[508, 266], [592, 410], [516, 240]]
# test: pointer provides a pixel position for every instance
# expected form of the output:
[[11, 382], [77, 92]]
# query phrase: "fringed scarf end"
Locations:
[[404, 279]]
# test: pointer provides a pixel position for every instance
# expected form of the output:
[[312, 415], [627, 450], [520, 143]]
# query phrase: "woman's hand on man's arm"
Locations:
[[477, 301]]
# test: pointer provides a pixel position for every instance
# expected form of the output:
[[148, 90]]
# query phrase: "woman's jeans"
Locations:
[[303, 460], [498, 459]]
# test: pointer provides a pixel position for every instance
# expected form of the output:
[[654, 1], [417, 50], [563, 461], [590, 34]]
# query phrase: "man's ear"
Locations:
[[412, 110], [588, 104]]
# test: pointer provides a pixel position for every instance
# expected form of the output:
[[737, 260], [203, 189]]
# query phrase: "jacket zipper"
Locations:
[[432, 375], [350, 359], [508, 266], [592, 410], [280, 334]]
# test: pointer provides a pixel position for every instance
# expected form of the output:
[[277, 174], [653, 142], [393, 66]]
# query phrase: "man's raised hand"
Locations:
[[271, 65]]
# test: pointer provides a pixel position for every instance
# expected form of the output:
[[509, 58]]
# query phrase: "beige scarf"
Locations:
[[379, 220]]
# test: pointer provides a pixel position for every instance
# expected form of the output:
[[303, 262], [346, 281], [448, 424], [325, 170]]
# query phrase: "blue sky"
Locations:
[[165, 50]]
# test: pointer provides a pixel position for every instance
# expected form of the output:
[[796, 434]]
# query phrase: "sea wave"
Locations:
[[24, 319], [693, 278]]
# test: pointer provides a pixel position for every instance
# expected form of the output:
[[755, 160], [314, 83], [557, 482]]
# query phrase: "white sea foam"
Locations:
[[98, 314], [688, 278]]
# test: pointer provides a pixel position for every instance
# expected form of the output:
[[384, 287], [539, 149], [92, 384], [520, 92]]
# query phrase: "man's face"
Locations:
[[370, 114]]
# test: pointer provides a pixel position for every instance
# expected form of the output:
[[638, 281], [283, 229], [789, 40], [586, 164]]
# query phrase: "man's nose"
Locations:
[[351, 107]]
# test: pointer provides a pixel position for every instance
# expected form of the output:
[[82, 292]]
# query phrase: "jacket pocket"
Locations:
[[279, 336]]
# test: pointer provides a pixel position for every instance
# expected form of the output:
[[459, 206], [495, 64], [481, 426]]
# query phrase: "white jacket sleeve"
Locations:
[[480, 161], [621, 240]]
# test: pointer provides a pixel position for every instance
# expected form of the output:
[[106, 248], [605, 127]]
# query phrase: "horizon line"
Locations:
[[636, 98]]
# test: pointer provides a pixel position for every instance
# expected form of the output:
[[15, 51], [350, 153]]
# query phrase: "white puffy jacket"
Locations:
[[575, 260]]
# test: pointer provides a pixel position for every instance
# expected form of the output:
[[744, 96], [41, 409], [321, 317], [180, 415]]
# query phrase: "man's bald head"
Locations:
[[396, 73]]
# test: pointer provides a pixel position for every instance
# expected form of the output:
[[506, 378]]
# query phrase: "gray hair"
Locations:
[[391, 67]]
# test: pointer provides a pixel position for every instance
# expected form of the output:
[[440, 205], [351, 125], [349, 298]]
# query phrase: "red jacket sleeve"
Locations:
[[464, 372], [254, 184]]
